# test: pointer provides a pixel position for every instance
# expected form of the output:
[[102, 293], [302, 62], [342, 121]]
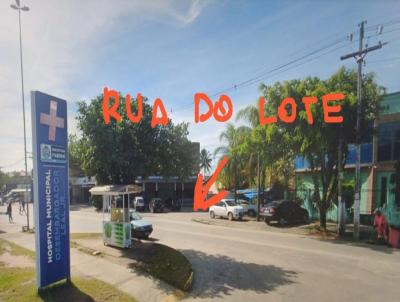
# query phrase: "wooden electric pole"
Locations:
[[359, 56]]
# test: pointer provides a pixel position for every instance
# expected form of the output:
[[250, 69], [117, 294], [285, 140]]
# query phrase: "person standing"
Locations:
[[9, 212], [20, 206], [23, 206], [380, 226]]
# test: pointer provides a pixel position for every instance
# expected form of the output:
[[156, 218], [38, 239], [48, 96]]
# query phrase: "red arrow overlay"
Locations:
[[200, 192]]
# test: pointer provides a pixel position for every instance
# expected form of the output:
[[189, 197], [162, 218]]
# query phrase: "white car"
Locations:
[[227, 208], [140, 228], [138, 203]]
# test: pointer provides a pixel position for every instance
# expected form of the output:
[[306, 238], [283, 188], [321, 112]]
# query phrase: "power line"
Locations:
[[281, 68], [264, 74]]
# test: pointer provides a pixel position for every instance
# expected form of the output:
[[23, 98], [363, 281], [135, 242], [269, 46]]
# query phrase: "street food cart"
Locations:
[[116, 213]]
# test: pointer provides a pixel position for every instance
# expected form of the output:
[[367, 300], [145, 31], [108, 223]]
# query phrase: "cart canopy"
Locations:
[[113, 190]]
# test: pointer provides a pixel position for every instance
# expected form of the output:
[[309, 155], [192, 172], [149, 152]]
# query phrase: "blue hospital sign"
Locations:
[[50, 165]]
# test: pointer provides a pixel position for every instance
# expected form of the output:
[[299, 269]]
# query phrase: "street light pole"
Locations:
[[23, 8]]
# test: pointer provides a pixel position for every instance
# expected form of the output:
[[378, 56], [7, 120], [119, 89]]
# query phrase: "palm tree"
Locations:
[[250, 115], [266, 147], [233, 138], [205, 161]]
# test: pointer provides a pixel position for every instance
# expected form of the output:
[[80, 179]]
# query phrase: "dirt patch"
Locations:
[[10, 260], [316, 230]]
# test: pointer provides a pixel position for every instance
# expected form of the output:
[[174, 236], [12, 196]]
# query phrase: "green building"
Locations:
[[378, 158]]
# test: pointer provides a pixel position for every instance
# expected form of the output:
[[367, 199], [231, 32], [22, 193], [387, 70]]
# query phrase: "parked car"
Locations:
[[227, 208], [156, 205], [16, 195], [284, 212], [140, 228], [250, 207], [173, 204], [138, 203]]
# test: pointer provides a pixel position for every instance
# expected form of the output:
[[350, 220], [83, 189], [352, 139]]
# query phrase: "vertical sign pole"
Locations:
[[51, 188]]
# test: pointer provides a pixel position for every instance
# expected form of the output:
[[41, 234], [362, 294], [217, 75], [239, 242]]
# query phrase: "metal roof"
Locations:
[[115, 190]]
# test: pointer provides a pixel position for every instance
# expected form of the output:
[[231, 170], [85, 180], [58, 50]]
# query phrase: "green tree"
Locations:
[[3, 180], [268, 145], [318, 142], [205, 160], [121, 151], [232, 176]]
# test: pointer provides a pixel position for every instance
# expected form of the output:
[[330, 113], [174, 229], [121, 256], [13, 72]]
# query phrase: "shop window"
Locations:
[[389, 142]]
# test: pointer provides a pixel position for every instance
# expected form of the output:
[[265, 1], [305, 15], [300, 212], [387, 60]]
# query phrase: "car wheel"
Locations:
[[267, 221], [230, 216], [281, 221], [252, 213], [212, 215]]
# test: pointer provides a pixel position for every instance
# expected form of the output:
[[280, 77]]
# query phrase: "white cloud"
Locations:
[[60, 41]]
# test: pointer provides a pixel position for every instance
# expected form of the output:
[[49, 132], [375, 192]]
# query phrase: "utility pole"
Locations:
[[258, 185], [359, 56], [236, 178], [341, 205]]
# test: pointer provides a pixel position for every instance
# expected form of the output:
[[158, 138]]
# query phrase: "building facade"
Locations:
[[378, 158]]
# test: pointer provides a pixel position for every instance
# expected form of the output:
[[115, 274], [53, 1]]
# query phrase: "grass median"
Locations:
[[164, 263], [19, 284]]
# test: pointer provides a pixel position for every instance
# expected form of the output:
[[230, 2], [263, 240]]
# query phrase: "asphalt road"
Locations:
[[235, 264]]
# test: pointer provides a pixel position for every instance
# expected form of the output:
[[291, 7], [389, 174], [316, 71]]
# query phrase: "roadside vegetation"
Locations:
[[275, 145], [19, 284], [14, 249], [164, 263]]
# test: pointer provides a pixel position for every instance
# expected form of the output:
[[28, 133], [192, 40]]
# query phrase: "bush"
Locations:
[[97, 202]]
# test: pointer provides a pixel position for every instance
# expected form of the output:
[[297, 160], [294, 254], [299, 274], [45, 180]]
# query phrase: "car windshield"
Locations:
[[135, 216], [230, 203]]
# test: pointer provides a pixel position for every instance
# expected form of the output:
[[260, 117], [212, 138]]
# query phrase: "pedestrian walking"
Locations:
[[20, 207], [381, 226], [9, 212], [23, 207]]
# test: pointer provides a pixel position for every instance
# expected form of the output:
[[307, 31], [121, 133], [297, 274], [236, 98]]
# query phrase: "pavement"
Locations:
[[116, 273], [234, 261]]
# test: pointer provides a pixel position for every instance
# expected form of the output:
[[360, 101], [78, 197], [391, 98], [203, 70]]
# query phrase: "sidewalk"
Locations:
[[138, 286]]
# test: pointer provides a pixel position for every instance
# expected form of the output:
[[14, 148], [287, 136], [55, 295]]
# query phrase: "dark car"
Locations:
[[284, 212], [173, 204], [156, 205]]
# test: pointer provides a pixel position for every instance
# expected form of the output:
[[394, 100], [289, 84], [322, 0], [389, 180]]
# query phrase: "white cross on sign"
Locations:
[[52, 120]]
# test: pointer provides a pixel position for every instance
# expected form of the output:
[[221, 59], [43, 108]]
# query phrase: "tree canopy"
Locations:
[[278, 143], [121, 151]]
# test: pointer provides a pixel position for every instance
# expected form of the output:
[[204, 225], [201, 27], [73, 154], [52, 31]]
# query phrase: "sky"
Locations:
[[174, 49]]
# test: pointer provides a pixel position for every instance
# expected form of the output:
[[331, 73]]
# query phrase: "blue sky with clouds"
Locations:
[[173, 49]]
